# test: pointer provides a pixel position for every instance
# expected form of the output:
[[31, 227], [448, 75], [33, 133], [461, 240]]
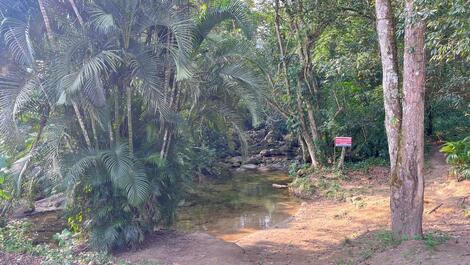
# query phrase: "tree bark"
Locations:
[[280, 41], [95, 133], [81, 123], [408, 189], [117, 123], [130, 132], [390, 82], [77, 13], [305, 130], [45, 17], [404, 119], [304, 149]]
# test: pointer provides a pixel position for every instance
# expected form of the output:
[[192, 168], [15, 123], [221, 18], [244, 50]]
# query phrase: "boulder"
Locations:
[[235, 159], [249, 166], [254, 160], [270, 152]]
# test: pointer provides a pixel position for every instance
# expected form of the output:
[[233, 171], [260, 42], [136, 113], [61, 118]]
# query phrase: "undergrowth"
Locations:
[[15, 237], [324, 182]]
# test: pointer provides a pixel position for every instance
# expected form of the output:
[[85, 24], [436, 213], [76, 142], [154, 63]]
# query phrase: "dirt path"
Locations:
[[332, 232], [328, 232]]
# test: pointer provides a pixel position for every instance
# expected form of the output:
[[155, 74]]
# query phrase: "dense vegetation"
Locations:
[[121, 104]]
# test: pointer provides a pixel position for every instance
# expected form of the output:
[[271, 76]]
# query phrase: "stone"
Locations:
[[249, 166], [254, 160]]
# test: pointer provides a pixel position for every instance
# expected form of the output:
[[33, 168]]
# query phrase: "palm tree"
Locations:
[[150, 55]]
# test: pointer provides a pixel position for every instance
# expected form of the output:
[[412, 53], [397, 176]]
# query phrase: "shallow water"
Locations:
[[233, 208]]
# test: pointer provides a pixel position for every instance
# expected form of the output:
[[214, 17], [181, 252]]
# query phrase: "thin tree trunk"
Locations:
[[390, 83], [129, 118], [280, 41], [77, 13], [408, 189], [165, 140], [45, 17], [313, 123], [81, 123], [95, 133], [42, 125], [305, 134], [110, 132], [117, 123], [304, 149]]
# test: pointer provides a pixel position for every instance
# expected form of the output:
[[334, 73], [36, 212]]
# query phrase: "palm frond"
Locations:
[[78, 169], [101, 20], [235, 10], [16, 37], [19, 93], [87, 78]]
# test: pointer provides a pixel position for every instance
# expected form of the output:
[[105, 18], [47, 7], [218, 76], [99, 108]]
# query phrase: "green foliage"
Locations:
[[295, 167], [15, 238], [365, 165], [458, 156], [303, 187], [432, 240], [323, 182]]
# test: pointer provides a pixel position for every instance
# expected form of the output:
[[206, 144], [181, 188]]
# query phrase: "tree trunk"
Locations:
[[165, 140], [390, 83], [130, 132], [408, 188], [81, 123], [117, 123], [77, 13], [110, 132], [313, 124], [45, 17], [305, 134], [280, 41], [95, 133], [304, 149]]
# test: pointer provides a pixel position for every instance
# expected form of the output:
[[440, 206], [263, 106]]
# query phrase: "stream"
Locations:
[[234, 208]]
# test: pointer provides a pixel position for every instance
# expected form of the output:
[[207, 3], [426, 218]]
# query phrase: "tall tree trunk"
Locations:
[[313, 123], [307, 137], [117, 123], [390, 83], [110, 132], [404, 120], [95, 133], [304, 149], [77, 13], [130, 131], [81, 122], [280, 42], [408, 188], [45, 17]]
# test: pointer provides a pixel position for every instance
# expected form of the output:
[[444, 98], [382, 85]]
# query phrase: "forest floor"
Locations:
[[352, 231]]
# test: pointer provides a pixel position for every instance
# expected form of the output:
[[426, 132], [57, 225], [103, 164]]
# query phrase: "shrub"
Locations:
[[15, 238], [458, 157]]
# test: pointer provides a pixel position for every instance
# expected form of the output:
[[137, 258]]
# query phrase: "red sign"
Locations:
[[343, 141]]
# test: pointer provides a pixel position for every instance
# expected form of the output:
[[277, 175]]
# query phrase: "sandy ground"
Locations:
[[328, 232], [332, 232]]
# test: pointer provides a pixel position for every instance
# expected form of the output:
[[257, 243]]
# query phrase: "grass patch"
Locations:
[[380, 242], [324, 182], [432, 240], [365, 165]]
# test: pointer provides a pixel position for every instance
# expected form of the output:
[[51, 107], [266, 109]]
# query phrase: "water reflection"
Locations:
[[233, 208]]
